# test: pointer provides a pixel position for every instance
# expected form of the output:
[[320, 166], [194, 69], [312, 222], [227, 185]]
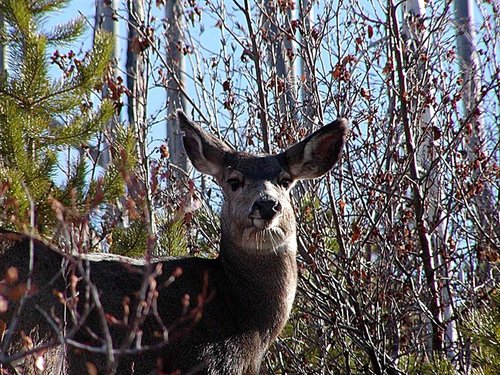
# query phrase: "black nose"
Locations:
[[267, 208]]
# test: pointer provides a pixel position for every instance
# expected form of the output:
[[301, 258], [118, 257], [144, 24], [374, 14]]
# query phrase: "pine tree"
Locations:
[[41, 116], [483, 328]]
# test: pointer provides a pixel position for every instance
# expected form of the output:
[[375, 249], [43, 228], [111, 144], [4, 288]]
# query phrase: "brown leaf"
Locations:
[[337, 72], [135, 45], [177, 272], [111, 319], [27, 341], [365, 93], [349, 59], [164, 152], [370, 31], [356, 233], [342, 207], [4, 305], [436, 132], [59, 295], [388, 68], [11, 275], [91, 368], [16, 293]]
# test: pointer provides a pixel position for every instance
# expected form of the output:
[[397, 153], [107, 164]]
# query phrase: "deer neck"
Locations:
[[263, 284]]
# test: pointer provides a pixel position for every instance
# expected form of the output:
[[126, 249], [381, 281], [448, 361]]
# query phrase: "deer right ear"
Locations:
[[205, 151], [317, 154]]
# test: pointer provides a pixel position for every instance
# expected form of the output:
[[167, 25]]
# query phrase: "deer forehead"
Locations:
[[256, 168]]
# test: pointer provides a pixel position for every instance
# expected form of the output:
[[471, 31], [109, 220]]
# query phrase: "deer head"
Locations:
[[257, 215]]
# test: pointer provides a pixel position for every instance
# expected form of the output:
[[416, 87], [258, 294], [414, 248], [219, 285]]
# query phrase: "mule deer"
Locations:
[[105, 314]]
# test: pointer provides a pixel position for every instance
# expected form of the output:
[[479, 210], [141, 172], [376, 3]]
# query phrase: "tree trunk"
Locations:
[[427, 193], [280, 50], [175, 74], [137, 84], [312, 107], [3, 49], [426, 153], [487, 214], [105, 20], [135, 64]]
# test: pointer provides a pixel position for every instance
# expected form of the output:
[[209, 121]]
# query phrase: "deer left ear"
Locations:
[[317, 154], [204, 150]]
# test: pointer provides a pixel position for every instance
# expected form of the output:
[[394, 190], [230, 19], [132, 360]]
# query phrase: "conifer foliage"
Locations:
[[483, 329], [41, 116]]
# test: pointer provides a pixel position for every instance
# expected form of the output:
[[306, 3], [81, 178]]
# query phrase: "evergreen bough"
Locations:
[[40, 116]]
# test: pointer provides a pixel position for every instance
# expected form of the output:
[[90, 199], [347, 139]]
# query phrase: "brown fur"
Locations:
[[238, 303]]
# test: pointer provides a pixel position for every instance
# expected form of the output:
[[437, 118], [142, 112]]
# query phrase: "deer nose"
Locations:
[[265, 208]]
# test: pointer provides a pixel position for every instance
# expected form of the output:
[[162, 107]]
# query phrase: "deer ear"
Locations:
[[205, 151], [316, 154]]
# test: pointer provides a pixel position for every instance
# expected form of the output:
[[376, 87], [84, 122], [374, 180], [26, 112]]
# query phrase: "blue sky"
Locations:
[[205, 30]]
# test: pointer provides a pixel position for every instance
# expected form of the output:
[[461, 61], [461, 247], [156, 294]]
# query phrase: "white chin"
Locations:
[[260, 224], [263, 238]]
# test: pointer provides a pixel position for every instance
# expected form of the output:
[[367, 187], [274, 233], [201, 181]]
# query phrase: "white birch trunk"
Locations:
[[175, 74], [416, 37], [488, 216], [306, 13], [284, 68], [104, 20], [135, 65]]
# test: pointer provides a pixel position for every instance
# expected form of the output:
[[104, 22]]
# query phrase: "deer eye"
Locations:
[[285, 183], [234, 183]]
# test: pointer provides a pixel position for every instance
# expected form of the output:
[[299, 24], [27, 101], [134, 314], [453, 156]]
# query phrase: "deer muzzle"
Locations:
[[265, 209]]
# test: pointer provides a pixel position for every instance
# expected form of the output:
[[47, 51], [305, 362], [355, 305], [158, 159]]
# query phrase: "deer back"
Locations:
[[188, 314]]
